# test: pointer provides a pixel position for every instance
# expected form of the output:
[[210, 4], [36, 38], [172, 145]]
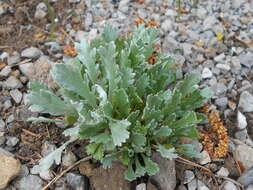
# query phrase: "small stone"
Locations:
[[220, 57], [206, 73], [229, 186], [5, 71], [223, 172], [12, 141], [30, 182], [209, 22], [68, 159], [244, 154], [41, 11], [40, 14], [123, 6], [74, 1], [2, 126], [10, 118], [250, 187], [26, 68], [24, 171], [246, 102], [46, 175], [204, 158], [9, 169], [31, 52], [16, 95], [188, 176], [247, 177], [7, 153], [241, 121], [7, 104], [224, 67], [220, 88], [13, 82], [222, 102], [141, 186], [166, 177], [202, 186], [47, 148], [75, 181], [167, 25], [246, 59], [192, 185], [15, 58]]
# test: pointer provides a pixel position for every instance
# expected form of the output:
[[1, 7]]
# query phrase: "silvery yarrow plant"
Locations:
[[123, 106]]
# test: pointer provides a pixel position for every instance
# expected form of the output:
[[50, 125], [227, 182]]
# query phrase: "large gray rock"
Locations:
[[246, 102], [166, 177]]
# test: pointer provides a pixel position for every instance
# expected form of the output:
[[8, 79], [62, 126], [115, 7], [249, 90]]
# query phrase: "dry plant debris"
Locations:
[[214, 138], [69, 50]]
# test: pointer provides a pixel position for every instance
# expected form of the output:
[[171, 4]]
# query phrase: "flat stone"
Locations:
[[241, 121], [244, 154], [30, 182], [166, 177], [246, 102], [31, 52], [16, 95], [9, 169], [13, 82], [241, 135], [204, 158], [220, 58]]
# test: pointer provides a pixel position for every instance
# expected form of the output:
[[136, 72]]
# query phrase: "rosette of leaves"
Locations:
[[124, 107]]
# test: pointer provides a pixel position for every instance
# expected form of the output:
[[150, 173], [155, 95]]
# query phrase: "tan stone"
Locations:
[[9, 169]]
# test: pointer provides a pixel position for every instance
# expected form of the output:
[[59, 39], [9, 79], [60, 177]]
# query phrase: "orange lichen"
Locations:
[[69, 50], [215, 138]]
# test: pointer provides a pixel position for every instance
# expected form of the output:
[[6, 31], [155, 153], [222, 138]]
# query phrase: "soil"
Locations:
[[18, 28]]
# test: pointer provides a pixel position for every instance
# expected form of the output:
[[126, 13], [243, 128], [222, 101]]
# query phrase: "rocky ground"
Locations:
[[213, 38]]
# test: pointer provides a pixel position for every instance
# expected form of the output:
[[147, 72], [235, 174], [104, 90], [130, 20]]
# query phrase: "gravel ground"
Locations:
[[213, 38]]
